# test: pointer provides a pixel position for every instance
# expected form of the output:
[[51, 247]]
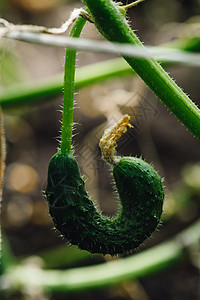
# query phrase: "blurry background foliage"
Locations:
[[32, 130]]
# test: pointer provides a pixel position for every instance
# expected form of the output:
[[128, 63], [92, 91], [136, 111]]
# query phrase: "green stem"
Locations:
[[114, 27], [68, 98], [140, 265], [46, 89]]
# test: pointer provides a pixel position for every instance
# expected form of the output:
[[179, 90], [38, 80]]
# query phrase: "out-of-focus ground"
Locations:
[[32, 133]]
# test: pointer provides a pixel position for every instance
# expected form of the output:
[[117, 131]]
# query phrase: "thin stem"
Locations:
[[68, 98], [114, 27], [131, 4]]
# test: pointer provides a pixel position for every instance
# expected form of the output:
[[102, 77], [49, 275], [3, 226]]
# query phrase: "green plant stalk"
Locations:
[[114, 27], [68, 98], [38, 92], [41, 91], [46, 89], [138, 266]]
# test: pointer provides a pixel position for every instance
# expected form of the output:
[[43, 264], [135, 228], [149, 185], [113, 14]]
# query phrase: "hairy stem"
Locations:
[[114, 27], [68, 98]]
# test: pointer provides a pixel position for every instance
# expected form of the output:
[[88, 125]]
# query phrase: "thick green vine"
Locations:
[[114, 27]]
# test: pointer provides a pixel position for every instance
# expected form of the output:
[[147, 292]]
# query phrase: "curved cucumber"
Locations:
[[141, 195]]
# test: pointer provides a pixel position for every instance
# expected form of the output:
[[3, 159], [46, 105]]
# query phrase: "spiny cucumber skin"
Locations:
[[75, 216]]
